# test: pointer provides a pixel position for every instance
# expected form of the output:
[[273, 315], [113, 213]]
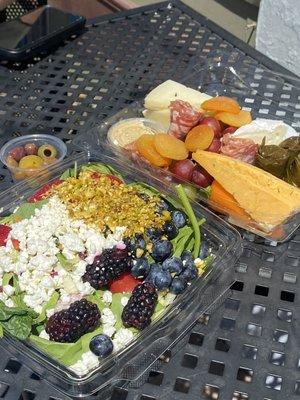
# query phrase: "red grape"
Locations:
[[213, 123], [183, 169], [230, 129], [201, 177], [215, 146]]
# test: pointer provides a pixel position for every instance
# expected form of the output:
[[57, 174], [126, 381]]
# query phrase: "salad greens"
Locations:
[[22, 322]]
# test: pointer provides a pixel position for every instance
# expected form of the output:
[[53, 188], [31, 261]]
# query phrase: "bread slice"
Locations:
[[160, 97], [267, 199]]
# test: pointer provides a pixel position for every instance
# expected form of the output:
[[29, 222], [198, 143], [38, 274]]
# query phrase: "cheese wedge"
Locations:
[[160, 97], [268, 200], [163, 117]]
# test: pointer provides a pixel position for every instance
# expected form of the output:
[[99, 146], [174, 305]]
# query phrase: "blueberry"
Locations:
[[187, 259], [154, 269], [162, 206], [161, 250], [173, 264], [204, 250], [154, 233], [162, 279], [140, 242], [170, 230], [189, 273], [178, 285], [187, 256], [179, 218], [101, 345], [141, 268]]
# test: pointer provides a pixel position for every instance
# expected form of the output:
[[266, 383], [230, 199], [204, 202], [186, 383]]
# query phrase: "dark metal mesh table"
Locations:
[[249, 347]]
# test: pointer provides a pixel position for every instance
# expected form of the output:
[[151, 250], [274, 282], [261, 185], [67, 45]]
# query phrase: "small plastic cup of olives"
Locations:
[[31, 156]]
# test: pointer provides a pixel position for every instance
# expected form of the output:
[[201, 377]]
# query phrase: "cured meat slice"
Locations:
[[183, 118], [239, 148]]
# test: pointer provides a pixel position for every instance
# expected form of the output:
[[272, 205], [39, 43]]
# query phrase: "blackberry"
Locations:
[[109, 265], [69, 325], [140, 307]]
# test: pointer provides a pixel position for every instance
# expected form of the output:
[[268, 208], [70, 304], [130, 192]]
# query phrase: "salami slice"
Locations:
[[239, 148], [183, 118]]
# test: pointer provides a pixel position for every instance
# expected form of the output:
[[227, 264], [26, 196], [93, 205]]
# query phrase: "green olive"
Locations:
[[47, 151]]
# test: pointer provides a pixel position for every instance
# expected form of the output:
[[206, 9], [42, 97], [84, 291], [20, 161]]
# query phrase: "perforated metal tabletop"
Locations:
[[246, 349]]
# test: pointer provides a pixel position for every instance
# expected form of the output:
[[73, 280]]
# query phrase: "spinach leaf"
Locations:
[[18, 326], [159, 308], [68, 265], [27, 210], [6, 278], [51, 303], [102, 169], [117, 308], [7, 312], [9, 219], [18, 301], [66, 353], [96, 298], [144, 188]]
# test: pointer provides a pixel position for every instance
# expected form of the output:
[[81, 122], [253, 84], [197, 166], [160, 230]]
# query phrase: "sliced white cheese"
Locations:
[[274, 131], [162, 117], [160, 97]]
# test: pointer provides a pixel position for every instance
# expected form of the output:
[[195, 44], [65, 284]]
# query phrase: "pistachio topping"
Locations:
[[103, 202]]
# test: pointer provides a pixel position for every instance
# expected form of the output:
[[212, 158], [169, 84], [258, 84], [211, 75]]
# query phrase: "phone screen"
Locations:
[[29, 28]]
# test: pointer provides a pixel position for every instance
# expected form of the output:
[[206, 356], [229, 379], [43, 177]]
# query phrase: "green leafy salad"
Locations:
[[89, 261]]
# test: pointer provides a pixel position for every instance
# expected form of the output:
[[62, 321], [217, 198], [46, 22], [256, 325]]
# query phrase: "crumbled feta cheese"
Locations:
[[44, 335], [87, 362], [50, 312], [124, 301], [8, 290], [48, 232], [107, 296], [107, 316], [109, 330], [9, 303], [121, 338]]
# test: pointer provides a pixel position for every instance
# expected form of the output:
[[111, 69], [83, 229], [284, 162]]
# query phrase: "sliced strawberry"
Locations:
[[4, 232], [42, 192], [113, 178], [124, 284]]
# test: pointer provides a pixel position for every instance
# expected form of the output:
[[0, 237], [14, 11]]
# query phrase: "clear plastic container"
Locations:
[[130, 364], [215, 77], [19, 174]]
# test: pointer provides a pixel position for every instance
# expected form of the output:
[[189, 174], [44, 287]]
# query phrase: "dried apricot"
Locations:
[[199, 138], [236, 120], [170, 147], [146, 148], [221, 103]]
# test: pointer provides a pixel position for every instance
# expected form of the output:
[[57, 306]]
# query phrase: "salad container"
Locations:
[[128, 365], [214, 78]]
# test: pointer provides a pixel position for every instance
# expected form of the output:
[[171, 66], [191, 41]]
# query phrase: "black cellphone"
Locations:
[[37, 31]]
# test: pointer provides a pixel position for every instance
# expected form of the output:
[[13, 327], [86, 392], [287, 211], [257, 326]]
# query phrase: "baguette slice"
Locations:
[[268, 200], [160, 97]]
